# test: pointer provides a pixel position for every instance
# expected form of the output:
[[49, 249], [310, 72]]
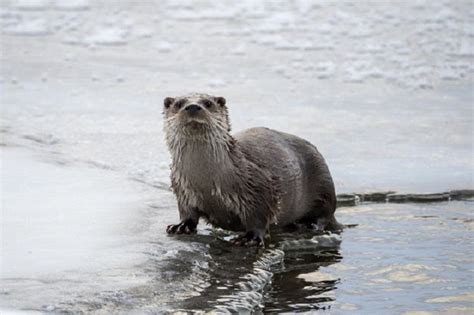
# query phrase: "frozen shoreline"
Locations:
[[65, 226], [57, 218]]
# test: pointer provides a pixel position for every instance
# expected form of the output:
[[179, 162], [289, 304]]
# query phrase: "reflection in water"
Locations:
[[271, 279], [301, 286]]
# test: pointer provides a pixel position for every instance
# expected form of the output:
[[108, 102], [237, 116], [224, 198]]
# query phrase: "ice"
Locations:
[[34, 27], [343, 25], [466, 49], [108, 35], [164, 47], [72, 5], [184, 15], [239, 50], [217, 83], [267, 39], [276, 22], [69, 228], [143, 32], [32, 4], [304, 6], [291, 45], [60, 229], [361, 31], [49, 233], [254, 9], [324, 28]]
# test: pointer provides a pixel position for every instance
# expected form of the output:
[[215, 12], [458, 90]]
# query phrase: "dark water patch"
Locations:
[[344, 200], [462, 220], [426, 216], [463, 194], [375, 197], [397, 198], [435, 197]]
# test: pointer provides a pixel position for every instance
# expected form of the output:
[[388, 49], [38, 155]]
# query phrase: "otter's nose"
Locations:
[[192, 109]]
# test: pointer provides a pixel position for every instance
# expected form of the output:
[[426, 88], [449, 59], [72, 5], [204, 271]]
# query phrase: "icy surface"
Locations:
[[67, 229], [383, 89], [37, 200]]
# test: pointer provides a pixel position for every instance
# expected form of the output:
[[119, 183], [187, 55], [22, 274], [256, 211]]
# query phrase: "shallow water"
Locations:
[[384, 90]]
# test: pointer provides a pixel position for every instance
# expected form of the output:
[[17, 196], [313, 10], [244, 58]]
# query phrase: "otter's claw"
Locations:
[[181, 228], [248, 239]]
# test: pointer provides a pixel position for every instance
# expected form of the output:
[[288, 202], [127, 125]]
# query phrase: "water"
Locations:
[[384, 90]]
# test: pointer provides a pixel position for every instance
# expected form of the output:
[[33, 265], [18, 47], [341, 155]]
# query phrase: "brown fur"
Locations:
[[247, 182]]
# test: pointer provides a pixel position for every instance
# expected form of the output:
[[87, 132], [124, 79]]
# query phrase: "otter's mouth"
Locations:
[[196, 124]]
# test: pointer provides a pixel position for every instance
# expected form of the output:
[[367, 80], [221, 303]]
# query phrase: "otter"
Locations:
[[245, 182]]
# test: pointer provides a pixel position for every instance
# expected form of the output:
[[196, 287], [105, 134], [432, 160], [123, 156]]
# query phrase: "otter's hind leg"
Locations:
[[321, 213], [256, 225], [250, 238], [333, 225]]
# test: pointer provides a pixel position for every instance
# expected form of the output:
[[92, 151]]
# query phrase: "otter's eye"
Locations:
[[207, 103], [179, 104]]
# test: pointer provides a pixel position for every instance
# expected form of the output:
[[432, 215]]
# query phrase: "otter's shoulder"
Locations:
[[259, 134], [262, 132], [254, 131]]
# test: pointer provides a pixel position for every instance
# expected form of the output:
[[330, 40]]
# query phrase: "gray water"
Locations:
[[383, 89]]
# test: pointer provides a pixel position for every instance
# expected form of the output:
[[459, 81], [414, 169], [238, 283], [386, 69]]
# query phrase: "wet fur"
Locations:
[[245, 182]]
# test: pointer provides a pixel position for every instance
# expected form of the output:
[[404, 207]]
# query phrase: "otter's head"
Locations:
[[195, 115]]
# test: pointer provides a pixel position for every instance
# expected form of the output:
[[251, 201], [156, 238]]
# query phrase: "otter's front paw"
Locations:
[[248, 239], [184, 227]]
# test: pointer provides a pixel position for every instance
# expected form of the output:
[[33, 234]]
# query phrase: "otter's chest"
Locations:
[[208, 180], [222, 212], [206, 171], [219, 205]]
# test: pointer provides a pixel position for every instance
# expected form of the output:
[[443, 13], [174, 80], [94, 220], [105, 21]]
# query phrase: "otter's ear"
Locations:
[[168, 101], [220, 100]]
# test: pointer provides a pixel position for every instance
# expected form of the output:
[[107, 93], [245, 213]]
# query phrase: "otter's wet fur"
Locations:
[[247, 182]]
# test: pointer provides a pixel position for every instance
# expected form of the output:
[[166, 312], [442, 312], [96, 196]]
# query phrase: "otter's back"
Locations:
[[302, 172]]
